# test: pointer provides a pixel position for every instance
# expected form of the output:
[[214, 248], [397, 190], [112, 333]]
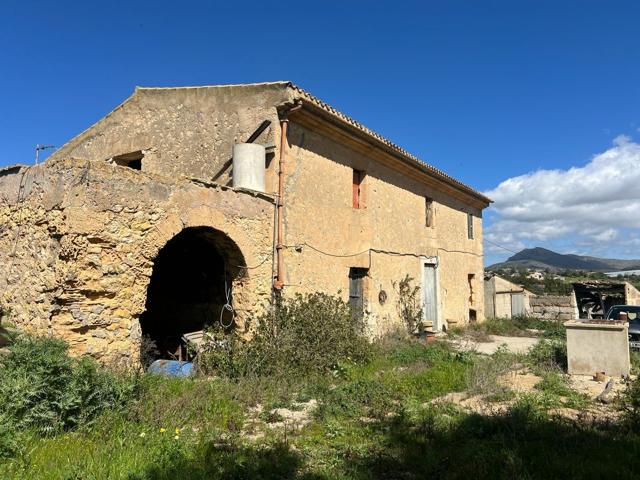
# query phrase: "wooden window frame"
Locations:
[[357, 188]]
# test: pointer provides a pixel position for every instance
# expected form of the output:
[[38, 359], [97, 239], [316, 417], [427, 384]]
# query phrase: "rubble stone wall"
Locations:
[[186, 131], [78, 240], [553, 307]]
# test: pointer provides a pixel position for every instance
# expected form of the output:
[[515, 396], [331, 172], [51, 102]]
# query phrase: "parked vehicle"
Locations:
[[633, 315]]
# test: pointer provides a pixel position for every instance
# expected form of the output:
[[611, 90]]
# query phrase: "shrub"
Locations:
[[42, 388], [630, 403], [298, 336], [484, 374], [10, 442], [548, 354]]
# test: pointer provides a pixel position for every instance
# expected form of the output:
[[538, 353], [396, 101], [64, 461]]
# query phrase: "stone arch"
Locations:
[[194, 277]]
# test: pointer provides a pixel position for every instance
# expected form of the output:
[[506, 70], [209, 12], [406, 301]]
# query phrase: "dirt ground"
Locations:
[[513, 344]]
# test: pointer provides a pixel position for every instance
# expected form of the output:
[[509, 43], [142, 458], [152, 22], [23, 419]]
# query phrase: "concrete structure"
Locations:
[[554, 307], [594, 299], [133, 227], [598, 347], [504, 299]]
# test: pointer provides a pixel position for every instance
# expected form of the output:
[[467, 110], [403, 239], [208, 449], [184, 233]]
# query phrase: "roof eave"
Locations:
[[479, 200]]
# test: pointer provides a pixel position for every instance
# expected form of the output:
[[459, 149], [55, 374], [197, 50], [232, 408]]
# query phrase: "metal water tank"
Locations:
[[248, 166]]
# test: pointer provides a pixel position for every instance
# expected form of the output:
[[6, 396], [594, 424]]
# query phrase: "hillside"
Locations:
[[541, 258]]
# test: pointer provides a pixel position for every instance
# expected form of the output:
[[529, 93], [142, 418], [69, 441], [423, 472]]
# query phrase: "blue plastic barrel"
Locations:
[[173, 368]]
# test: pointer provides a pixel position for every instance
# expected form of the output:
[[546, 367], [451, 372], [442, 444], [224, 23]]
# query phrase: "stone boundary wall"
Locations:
[[553, 307], [78, 240]]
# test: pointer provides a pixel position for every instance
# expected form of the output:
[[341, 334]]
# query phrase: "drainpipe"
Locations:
[[279, 282], [284, 126]]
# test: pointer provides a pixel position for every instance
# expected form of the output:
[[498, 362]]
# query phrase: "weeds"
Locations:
[[519, 326], [308, 333], [557, 392], [483, 377]]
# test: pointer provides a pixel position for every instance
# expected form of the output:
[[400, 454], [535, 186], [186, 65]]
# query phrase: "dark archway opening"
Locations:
[[191, 282]]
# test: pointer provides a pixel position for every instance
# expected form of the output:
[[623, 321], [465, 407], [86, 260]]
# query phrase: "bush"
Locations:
[[630, 403], [298, 336], [43, 388], [548, 354], [483, 376]]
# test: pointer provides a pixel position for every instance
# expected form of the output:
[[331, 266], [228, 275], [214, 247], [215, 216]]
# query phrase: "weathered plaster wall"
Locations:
[[185, 131], [319, 213], [78, 240]]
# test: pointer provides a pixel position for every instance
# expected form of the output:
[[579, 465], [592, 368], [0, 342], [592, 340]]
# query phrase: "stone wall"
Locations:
[[553, 307], [185, 131], [78, 240]]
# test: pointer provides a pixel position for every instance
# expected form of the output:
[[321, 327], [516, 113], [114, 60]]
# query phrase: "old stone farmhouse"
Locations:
[[144, 224]]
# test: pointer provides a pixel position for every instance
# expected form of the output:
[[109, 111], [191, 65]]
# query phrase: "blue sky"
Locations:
[[486, 90]]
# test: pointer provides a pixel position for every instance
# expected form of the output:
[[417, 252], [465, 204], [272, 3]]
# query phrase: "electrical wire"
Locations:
[[499, 246], [377, 250], [255, 266]]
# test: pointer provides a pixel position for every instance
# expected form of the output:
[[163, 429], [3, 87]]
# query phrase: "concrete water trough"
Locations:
[[598, 346]]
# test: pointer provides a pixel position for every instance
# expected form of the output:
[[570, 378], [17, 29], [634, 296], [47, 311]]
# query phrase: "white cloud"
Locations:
[[582, 208]]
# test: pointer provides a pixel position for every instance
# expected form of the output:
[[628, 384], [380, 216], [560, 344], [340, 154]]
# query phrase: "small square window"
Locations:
[[132, 160]]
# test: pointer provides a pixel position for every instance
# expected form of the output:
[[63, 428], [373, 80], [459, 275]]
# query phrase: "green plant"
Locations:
[[483, 376], [548, 354], [630, 404], [10, 442], [409, 304], [558, 392], [43, 388], [298, 336]]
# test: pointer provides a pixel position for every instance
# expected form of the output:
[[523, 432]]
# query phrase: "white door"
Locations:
[[429, 295], [517, 304]]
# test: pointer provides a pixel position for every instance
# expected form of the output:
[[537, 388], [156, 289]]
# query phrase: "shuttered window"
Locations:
[[357, 188], [356, 288]]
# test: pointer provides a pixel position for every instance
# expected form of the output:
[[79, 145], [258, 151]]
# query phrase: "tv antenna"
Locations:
[[42, 147]]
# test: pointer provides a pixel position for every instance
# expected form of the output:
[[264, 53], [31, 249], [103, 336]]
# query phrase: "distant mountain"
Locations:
[[541, 258]]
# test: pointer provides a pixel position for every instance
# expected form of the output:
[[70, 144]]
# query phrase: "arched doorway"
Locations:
[[192, 281]]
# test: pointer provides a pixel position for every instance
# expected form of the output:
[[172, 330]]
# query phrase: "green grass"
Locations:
[[374, 420], [522, 326]]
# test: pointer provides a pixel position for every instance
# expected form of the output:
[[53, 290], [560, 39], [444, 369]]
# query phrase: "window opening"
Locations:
[[356, 288], [357, 188], [428, 204], [132, 160]]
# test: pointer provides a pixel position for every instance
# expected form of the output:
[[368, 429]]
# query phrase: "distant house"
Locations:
[[536, 275], [504, 299]]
